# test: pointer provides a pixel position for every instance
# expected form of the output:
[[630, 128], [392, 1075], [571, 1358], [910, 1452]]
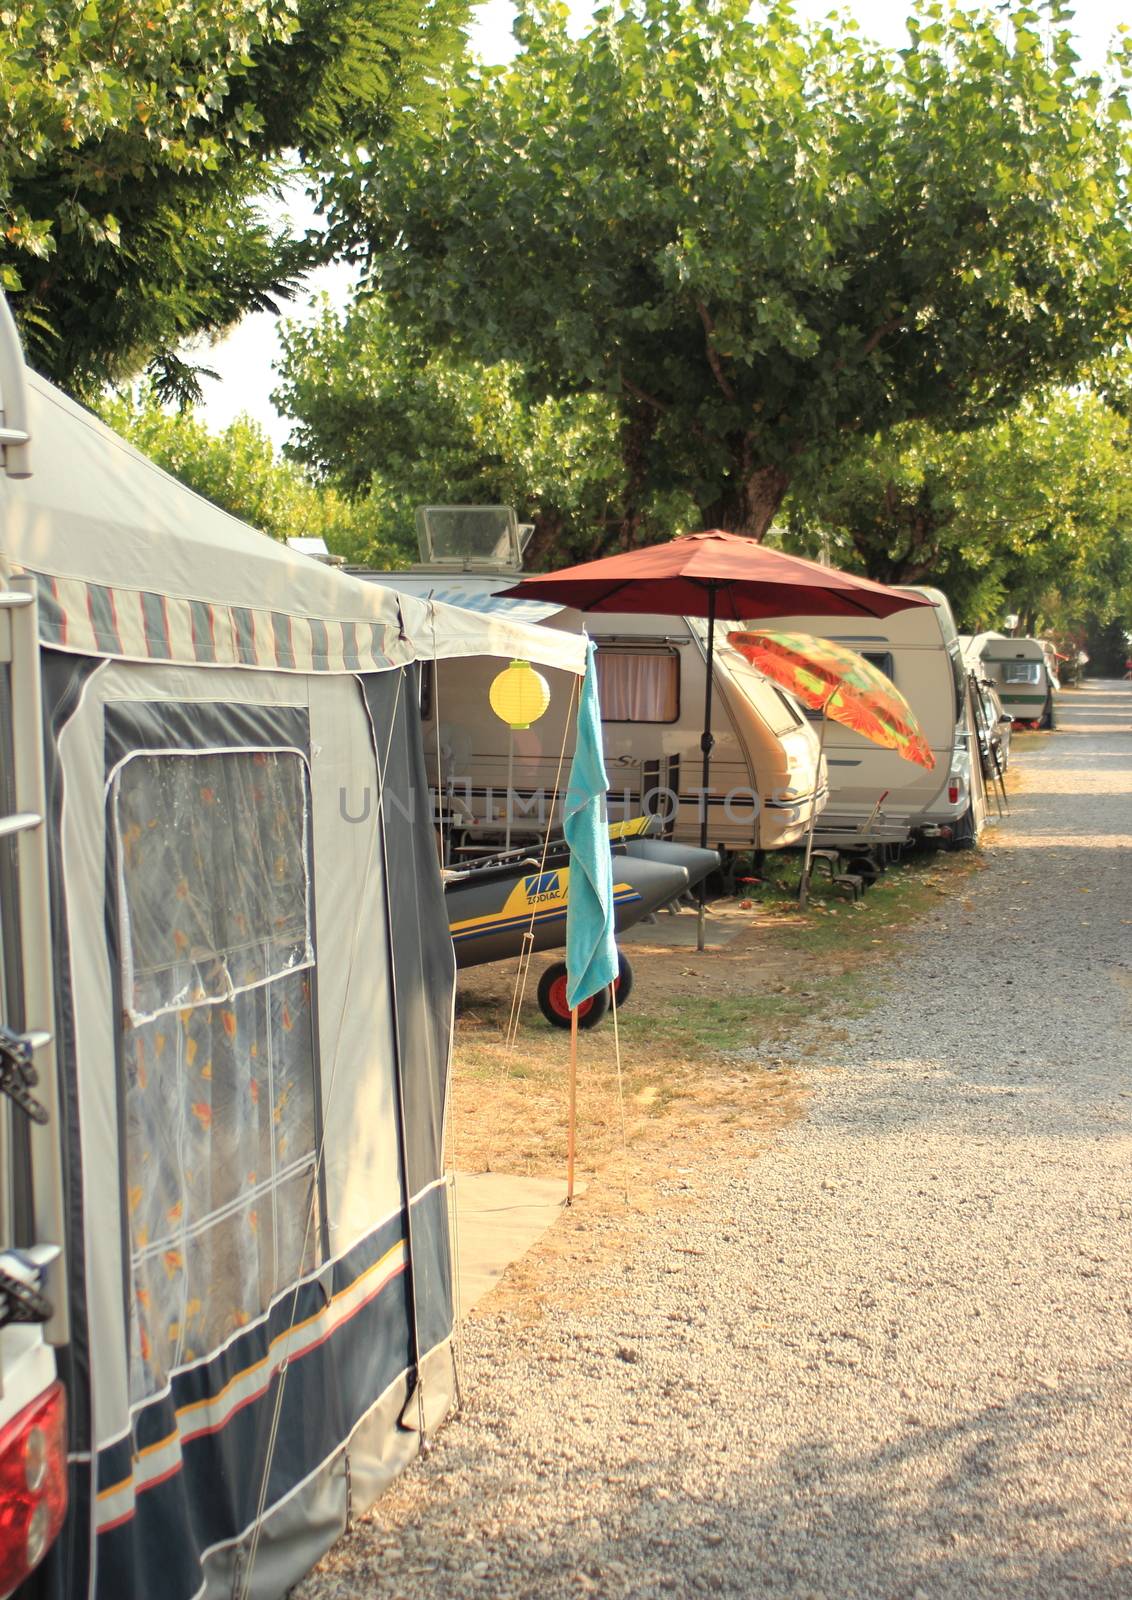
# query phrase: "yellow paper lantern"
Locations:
[[519, 695]]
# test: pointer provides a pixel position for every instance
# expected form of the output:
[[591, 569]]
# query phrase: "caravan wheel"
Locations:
[[624, 983], [552, 1000]]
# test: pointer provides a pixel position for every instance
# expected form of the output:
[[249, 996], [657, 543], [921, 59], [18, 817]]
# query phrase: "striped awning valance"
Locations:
[[137, 625]]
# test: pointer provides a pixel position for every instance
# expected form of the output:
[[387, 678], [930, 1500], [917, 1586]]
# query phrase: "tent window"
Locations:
[[1021, 672], [638, 685], [218, 1057]]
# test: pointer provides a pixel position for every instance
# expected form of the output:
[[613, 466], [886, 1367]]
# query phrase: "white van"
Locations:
[[652, 676], [875, 796]]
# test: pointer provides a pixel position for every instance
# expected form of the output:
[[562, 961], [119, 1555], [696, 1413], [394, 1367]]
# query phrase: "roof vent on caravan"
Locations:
[[472, 538], [315, 547]]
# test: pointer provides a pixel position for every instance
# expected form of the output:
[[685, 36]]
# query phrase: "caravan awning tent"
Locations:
[[254, 996], [132, 564]]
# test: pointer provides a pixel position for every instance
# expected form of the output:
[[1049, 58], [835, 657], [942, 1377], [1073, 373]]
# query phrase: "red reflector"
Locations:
[[33, 1485], [953, 792]]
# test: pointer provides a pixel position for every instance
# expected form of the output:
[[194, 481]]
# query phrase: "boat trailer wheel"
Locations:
[[552, 995]]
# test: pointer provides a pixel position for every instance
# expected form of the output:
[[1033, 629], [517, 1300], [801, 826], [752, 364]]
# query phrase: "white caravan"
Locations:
[[652, 676], [1020, 670], [875, 796]]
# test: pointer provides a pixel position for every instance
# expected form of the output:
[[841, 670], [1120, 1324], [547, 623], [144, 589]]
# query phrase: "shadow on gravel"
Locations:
[[970, 1510], [962, 1510], [1028, 1096]]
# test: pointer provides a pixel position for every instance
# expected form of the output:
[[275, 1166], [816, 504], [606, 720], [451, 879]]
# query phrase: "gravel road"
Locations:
[[890, 1357]]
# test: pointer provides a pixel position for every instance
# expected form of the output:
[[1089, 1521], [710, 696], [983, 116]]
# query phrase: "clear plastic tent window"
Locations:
[[213, 875], [218, 1054]]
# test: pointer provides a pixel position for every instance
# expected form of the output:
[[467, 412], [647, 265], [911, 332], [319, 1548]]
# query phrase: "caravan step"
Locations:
[[851, 882]]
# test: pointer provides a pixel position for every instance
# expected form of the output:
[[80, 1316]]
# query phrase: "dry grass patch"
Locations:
[[697, 1035]]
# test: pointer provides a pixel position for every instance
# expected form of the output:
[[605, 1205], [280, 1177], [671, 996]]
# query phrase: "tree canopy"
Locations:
[[1032, 515], [139, 140], [377, 415], [762, 240]]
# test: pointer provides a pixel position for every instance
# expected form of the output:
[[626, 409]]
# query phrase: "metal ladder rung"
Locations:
[[19, 822]]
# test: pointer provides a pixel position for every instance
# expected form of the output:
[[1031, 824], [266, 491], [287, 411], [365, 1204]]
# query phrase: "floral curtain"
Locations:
[[218, 1045]]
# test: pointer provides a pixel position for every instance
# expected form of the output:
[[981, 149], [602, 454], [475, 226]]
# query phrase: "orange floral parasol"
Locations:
[[841, 684]]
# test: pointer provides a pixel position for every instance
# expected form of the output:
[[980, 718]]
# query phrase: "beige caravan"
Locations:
[[875, 796], [1020, 670], [765, 779]]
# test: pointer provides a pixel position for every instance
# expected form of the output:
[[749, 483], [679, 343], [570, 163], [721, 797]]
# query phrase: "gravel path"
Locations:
[[889, 1358]]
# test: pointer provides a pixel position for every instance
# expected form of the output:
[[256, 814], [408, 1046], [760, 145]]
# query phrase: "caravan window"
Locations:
[[793, 718], [1021, 672], [638, 685], [220, 1110], [882, 661]]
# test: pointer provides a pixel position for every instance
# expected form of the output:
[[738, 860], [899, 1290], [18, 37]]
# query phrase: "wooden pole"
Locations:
[[570, 1139]]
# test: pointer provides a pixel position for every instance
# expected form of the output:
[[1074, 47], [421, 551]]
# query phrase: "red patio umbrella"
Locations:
[[744, 579], [713, 574]]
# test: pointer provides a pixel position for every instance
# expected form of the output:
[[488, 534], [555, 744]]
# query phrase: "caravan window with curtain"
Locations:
[[638, 685], [219, 1084]]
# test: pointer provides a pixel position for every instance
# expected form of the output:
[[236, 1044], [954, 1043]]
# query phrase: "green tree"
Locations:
[[238, 470], [762, 240], [375, 414], [139, 140], [1031, 515]]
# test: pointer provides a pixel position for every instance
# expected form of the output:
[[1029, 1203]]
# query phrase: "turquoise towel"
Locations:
[[591, 954]]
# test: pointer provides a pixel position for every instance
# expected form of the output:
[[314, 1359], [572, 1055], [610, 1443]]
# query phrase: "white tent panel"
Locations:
[[137, 566]]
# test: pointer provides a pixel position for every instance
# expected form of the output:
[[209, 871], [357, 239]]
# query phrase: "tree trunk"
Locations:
[[544, 551], [750, 506]]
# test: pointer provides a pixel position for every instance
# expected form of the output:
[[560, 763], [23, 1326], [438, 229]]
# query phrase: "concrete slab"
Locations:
[[500, 1217]]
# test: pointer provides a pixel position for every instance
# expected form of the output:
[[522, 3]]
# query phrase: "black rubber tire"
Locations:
[[864, 867], [552, 1000], [624, 979]]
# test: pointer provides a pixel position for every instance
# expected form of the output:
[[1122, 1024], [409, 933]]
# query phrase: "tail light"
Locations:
[[953, 793], [33, 1485]]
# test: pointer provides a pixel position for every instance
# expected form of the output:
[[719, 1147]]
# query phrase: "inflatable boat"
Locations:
[[491, 907]]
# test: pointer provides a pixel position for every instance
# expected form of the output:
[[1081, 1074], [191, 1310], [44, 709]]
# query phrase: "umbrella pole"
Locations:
[[804, 886], [571, 1130], [706, 742]]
